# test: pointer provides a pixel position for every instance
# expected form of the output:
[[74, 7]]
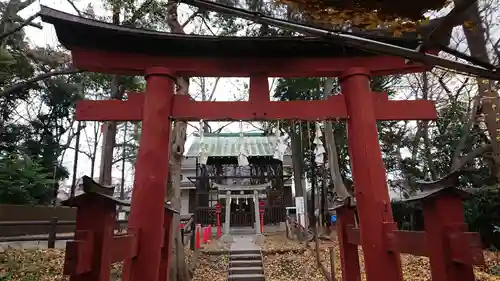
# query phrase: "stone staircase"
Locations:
[[245, 265]]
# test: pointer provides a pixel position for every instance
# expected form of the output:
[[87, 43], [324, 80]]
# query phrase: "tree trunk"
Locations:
[[331, 147], [488, 98], [109, 128], [297, 162], [178, 270], [425, 128], [75, 163]]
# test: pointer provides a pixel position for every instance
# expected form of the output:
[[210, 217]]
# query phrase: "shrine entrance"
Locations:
[[236, 216], [146, 249]]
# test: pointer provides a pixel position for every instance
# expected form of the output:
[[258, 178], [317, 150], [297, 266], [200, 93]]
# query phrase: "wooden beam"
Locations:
[[466, 247], [183, 108], [79, 253], [124, 247], [137, 64]]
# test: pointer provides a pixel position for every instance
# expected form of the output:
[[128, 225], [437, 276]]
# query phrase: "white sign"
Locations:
[[299, 204]]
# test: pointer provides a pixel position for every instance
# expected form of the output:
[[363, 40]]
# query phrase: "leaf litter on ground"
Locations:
[[289, 264]]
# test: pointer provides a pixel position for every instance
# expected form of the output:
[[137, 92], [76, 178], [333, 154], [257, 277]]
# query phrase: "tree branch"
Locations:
[[191, 17], [74, 7], [470, 156], [21, 85], [139, 13], [213, 89], [19, 27]]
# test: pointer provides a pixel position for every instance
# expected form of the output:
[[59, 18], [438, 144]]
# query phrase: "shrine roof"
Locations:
[[76, 32], [227, 145]]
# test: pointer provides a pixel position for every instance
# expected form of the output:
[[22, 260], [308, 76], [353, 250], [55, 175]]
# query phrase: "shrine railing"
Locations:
[[242, 218], [205, 215], [272, 215]]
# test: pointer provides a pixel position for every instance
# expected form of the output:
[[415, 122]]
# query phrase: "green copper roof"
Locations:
[[227, 145]]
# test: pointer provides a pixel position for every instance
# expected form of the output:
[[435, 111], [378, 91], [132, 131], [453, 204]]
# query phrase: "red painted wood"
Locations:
[[186, 109], [148, 197], [473, 239], [197, 236], [218, 209], [353, 235], [372, 196], [124, 247], [259, 89], [166, 251], [468, 244], [441, 218], [349, 256], [95, 216], [410, 242], [137, 64], [78, 256]]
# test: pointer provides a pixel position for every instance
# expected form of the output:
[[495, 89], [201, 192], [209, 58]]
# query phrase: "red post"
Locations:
[[217, 212], [349, 256], [370, 182], [205, 235], [443, 219], [166, 250], [147, 211], [197, 236], [261, 210]]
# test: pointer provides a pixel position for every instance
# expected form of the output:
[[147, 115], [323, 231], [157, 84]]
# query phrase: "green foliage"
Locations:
[[35, 118], [407, 216], [481, 212], [24, 181]]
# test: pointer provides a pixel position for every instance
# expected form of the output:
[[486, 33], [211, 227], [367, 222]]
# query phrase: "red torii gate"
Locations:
[[121, 50]]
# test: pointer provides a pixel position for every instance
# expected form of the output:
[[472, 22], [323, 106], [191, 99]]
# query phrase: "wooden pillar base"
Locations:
[[349, 256]]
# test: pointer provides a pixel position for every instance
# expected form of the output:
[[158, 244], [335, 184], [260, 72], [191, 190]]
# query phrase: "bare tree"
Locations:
[[476, 34], [178, 270]]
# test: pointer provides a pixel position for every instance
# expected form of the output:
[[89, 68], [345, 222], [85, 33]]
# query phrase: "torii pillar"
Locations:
[[151, 174], [368, 170]]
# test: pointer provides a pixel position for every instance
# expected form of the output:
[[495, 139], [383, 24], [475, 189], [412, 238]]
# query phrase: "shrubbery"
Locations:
[[482, 214]]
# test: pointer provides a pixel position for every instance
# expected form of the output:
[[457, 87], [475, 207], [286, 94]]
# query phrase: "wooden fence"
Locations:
[[37, 219], [53, 227], [21, 223]]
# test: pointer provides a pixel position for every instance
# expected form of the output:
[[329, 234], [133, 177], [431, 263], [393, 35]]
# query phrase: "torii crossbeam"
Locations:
[[259, 107]]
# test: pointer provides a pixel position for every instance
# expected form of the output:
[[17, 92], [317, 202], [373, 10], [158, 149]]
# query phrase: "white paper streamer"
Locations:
[[243, 155], [319, 151], [202, 153]]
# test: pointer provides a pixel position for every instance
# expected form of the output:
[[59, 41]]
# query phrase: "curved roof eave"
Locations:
[[76, 32]]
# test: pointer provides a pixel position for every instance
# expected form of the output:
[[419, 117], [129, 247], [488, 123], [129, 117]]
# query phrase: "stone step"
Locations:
[[246, 270], [245, 257], [245, 263], [246, 277], [245, 251]]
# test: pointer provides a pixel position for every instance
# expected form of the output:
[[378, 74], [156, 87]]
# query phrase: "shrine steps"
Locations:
[[245, 265]]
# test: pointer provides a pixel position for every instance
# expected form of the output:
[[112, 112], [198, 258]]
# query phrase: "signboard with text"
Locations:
[[299, 204]]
